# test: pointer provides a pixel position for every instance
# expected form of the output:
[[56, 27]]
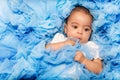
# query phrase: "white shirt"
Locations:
[[93, 48]]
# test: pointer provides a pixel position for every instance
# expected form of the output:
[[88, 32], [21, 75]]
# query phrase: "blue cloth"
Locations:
[[27, 25]]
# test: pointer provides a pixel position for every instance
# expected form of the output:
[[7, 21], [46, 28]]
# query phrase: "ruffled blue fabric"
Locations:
[[26, 26]]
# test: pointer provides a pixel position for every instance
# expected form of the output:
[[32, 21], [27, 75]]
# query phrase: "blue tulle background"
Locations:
[[27, 25]]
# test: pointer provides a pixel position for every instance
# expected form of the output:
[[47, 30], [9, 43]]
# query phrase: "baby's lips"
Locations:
[[79, 38]]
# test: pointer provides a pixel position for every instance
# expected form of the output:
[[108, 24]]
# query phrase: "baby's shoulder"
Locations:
[[59, 37]]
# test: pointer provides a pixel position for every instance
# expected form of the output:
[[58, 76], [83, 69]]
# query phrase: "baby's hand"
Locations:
[[71, 42], [79, 57]]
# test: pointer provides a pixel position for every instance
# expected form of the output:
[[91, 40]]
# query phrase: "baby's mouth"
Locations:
[[79, 38]]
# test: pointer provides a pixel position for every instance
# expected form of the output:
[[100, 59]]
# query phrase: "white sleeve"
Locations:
[[58, 38], [94, 49]]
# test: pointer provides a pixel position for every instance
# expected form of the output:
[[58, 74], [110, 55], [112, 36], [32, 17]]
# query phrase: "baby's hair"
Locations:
[[80, 8]]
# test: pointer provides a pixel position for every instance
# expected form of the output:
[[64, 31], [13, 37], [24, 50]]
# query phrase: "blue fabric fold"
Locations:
[[26, 26]]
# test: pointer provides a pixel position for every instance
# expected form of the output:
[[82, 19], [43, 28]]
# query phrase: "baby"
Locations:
[[78, 26]]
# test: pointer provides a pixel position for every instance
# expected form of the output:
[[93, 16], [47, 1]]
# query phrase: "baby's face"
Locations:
[[79, 26]]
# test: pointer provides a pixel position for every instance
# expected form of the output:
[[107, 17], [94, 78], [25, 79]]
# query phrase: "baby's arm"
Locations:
[[92, 65], [58, 45]]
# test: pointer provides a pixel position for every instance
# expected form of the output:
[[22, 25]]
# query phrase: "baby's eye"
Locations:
[[74, 26], [87, 29]]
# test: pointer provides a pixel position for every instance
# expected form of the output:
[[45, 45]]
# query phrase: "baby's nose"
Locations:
[[80, 31]]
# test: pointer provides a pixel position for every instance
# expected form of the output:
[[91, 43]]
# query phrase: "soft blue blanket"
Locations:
[[27, 25]]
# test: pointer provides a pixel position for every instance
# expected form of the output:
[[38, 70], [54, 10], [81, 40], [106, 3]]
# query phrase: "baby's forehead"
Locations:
[[80, 18], [79, 12], [82, 10]]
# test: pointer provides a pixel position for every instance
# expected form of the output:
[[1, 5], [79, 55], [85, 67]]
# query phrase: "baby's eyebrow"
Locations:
[[84, 25], [74, 23], [89, 26]]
